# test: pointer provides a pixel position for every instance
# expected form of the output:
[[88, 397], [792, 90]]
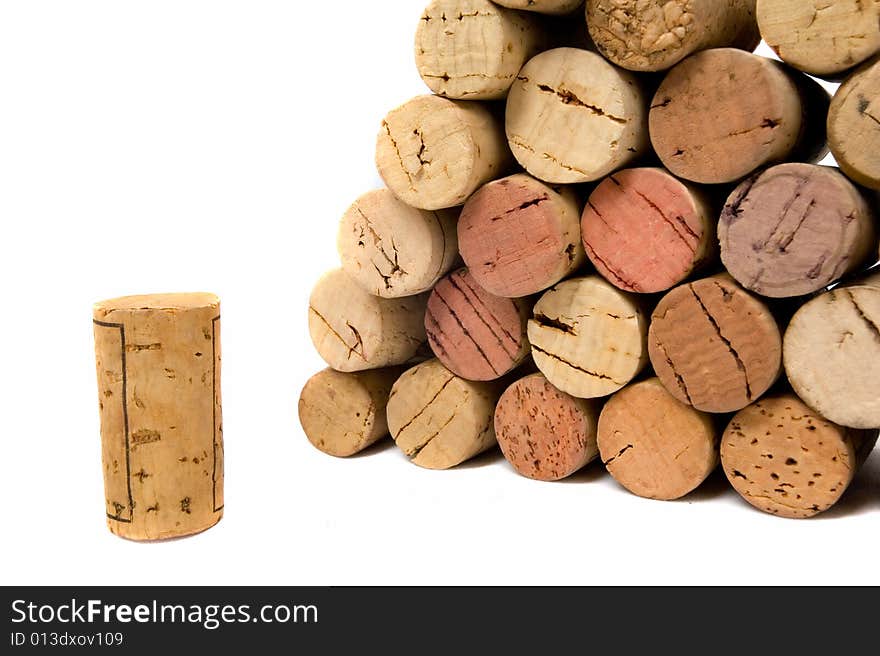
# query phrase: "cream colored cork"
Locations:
[[854, 125], [822, 37], [391, 249], [653, 444], [786, 460], [433, 152], [832, 354], [158, 366], [553, 7], [573, 117], [344, 413], [440, 420], [353, 330], [588, 337], [654, 36], [473, 49]]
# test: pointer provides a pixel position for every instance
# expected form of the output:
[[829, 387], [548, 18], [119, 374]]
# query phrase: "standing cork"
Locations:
[[554, 7], [573, 117], [794, 229], [158, 365], [353, 330], [588, 337], [440, 420], [646, 231], [832, 354], [822, 37], [433, 152], [785, 459], [391, 249], [519, 236], [654, 445], [654, 36], [854, 126], [714, 345], [475, 334], [544, 433]]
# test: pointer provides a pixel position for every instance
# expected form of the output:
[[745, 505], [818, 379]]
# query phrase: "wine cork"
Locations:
[[473, 49], [588, 337], [475, 334], [158, 365], [519, 236], [553, 7], [344, 413], [391, 249], [785, 459], [720, 114], [832, 354], [353, 330], [440, 420], [654, 445], [646, 231], [573, 117], [433, 152], [854, 126], [714, 345], [794, 229], [821, 37], [545, 434], [654, 36]]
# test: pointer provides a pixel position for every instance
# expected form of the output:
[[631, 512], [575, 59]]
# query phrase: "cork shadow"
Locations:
[[593, 472], [713, 488], [862, 496], [377, 447], [484, 459]]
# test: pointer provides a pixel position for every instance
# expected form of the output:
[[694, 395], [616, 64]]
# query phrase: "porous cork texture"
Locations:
[[518, 236], [854, 125], [588, 337], [552, 7], [475, 334], [352, 330], [573, 117], [544, 433], [646, 231], [654, 36], [158, 368], [786, 460], [714, 345], [393, 250], [795, 228], [822, 37], [440, 420], [473, 49], [655, 446], [433, 152], [832, 354]]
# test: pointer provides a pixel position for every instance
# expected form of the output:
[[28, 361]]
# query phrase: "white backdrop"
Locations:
[[182, 145]]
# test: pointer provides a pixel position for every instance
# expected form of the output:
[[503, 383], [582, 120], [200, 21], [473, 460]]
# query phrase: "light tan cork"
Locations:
[[654, 36], [653, 444], [353, 330], [573, 117], [545, 434], [588, 337], [433, 152], [786, 460], [344, 413], [832, 354], [822, 37], [158, 366], [553, 7], [391, 249], [854, 125], [473, 49], [440, 420]]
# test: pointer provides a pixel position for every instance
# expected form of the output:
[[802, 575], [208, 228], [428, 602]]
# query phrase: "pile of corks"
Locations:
[[609, 238]]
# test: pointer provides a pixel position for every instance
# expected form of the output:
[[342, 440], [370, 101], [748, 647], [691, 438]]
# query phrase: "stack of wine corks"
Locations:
[[704, 299]]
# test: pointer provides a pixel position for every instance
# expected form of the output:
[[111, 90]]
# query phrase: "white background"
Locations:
[[213, 145]]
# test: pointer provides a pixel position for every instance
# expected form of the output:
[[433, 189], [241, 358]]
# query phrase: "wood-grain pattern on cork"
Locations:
[[552, 7], [654, 445], [854, 125], [646, 231], [518, 236], [714, 345], [158, 366]]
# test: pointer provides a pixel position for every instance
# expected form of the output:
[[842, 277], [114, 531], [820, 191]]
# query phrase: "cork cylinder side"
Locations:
[[854, 126], [551, 7]]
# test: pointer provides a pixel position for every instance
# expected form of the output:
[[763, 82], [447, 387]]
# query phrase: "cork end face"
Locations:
[[854, 126], [144, 534], [157, 302]]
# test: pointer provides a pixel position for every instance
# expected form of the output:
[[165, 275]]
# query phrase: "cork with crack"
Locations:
[[854, 125], [551, 7]]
